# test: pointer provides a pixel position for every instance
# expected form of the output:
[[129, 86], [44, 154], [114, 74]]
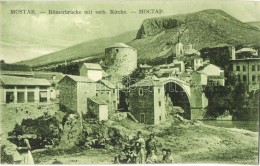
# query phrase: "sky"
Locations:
[[26, 36]]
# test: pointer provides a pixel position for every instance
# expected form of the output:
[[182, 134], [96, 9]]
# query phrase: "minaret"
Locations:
[[179, 45]]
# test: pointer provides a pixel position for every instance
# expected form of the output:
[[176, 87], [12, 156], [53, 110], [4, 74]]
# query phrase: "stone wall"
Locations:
[[159, 105], [68, 94], [121, 61], [142, 104], [84, 90]]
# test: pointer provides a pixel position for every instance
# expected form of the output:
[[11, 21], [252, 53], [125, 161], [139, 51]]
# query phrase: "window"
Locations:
[[9, 97], [244, 68], [117, 50], [244, 78], [160, 118], [160, 103], [97, 94], [253, 78], [114, 91], [142, 118], [141, 91], [159, 90], [238, 68], [253, 67], [108, 92]]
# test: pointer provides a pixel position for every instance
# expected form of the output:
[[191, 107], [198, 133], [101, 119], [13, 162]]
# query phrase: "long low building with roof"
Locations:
[[15, 89]]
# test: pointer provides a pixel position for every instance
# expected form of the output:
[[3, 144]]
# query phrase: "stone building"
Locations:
[[107, 92], [147, 101], [120, 59], [97, 109], [245, 65], [215, 75], [74, 91], [92, 70], [15, 89]]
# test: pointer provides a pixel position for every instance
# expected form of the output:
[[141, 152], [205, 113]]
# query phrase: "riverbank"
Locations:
[[190, 142]]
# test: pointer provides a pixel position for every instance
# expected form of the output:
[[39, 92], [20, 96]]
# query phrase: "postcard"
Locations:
[[129, 82]]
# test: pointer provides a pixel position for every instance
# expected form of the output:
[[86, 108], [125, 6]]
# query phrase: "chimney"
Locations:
[[233, 53]]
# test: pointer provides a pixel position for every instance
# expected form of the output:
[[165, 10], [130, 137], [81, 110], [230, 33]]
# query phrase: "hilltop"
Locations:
[[79, 51], [204, 29], [157, 37]]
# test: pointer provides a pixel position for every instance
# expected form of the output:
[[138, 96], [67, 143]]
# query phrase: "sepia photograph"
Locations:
[[129, 82]]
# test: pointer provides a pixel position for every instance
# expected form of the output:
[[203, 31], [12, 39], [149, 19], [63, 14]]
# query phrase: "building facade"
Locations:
[[107, 92], [15, 89], [147, 101], [91, 70], [245, 65], [74, 91], [247, 71], [97, 109]]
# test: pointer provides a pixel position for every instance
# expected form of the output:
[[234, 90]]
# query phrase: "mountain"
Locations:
[[209, 28], [83, 50], [157, 37]]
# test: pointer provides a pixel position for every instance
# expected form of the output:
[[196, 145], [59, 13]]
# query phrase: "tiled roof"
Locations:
[[205, 65], [104, 74], [77, 78], [108, 84], [14, 80], [246, 50], [93, 66], [97, 101], [119, 45]]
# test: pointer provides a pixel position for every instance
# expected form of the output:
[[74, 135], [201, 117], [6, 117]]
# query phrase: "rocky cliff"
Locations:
[[208, 28]]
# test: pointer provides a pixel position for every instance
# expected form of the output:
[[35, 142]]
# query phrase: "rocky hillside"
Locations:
[[208, 28], [157, 37]]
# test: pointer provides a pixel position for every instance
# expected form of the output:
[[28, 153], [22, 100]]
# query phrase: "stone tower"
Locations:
[[120, 59]]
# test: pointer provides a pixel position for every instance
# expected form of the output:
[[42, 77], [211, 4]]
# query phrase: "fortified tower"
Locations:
[[120, 59]]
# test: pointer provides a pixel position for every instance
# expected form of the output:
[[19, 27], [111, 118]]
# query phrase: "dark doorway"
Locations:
[[178, 98], [123, 101], [9, 97], [142, 118], [20, 97]]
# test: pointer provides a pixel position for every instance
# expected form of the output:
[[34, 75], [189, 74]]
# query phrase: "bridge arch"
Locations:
[[178, 93]]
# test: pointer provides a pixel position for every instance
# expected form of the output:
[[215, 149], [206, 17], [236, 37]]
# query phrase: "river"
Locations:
[[248, 125]]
